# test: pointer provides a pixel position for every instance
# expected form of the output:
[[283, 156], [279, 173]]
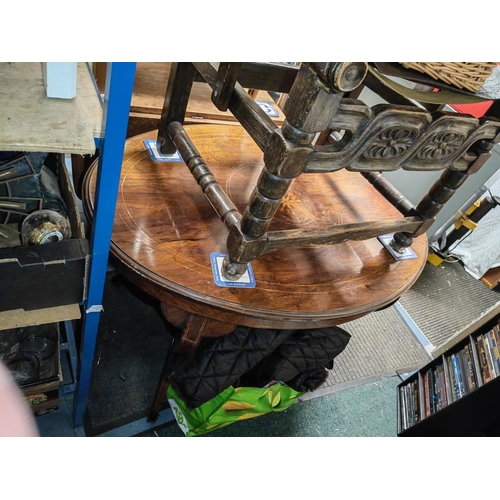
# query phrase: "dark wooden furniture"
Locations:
[[165, 231], [381, 139], [150, 85], [305, 214]]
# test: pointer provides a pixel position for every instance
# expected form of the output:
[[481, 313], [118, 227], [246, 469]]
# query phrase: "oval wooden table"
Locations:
[[165, 230]]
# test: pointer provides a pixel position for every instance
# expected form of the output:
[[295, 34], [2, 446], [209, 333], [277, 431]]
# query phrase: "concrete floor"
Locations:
[[367, 410]]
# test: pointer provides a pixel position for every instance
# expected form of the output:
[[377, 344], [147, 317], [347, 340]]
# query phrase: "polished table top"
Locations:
[[165, 230]]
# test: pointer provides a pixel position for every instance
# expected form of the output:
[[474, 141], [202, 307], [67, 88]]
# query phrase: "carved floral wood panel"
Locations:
[[386, 138]]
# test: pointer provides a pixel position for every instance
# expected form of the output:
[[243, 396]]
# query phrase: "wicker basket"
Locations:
[[463, 75]]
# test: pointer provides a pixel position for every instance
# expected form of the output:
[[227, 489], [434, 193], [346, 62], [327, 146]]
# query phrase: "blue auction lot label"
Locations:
[[246, 281], [406, 254], [157, 156], [268, 108]]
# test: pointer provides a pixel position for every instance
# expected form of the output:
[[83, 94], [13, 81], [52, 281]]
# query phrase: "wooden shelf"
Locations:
[[30, 121], [19, 318]]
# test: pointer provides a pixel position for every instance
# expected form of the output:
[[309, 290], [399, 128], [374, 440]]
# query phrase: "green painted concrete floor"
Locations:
[[367, 410]]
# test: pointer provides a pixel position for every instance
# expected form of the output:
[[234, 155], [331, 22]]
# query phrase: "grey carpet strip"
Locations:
[[445, 300], [381, 344], [442, 303]]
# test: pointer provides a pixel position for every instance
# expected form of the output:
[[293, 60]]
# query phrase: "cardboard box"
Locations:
[[50, 275]]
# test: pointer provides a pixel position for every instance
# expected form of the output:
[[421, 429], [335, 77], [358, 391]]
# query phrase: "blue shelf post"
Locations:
[[118, 95]]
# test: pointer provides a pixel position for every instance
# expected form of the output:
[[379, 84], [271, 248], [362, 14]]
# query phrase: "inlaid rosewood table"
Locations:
[[165, 231]]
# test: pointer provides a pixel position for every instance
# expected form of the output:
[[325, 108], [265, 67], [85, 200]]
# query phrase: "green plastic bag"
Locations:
[[230, 406]]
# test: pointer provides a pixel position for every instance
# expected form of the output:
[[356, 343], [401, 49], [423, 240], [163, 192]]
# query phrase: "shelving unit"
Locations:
[[118, 94], [31, 122], [474, 326], [454, 395]]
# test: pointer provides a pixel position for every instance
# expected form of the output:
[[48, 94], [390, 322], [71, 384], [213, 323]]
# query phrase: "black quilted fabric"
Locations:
[[306, 352], [219, 363], [254, 357], [308, 381]]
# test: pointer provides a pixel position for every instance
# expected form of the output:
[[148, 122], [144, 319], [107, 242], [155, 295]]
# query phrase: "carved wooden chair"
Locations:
[[365, 140]]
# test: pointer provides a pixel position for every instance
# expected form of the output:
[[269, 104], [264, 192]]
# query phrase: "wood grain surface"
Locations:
[[492, 277], [165, 231], [150, 87]]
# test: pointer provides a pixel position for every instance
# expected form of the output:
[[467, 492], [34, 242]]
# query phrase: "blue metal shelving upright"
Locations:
[[117, 98]]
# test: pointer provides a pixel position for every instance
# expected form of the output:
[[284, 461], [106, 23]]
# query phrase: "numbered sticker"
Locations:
[[268, 108], [157, 156], [246, 281]]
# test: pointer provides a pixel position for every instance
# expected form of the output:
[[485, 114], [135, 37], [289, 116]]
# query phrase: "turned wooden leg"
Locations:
[[309, 109], [176, 100], [185, 344], [400, 241], [163, 381], [224, 84], [441, 192]]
